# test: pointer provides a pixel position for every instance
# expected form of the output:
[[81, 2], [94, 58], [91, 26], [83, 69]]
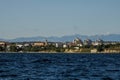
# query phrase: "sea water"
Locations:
[[59, 66]]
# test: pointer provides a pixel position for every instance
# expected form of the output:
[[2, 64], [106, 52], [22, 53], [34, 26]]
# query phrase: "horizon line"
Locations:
[[61, 36]]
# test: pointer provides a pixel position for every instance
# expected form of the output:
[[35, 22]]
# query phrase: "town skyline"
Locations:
[[76, 45], [28, 18]]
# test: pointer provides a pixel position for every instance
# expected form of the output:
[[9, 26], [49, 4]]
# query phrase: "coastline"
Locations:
[[62, 52]]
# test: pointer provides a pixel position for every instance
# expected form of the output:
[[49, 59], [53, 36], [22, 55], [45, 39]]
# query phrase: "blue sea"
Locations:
[[59, 66]]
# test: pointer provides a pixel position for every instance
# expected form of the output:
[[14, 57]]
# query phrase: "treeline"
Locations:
[[30, 48]]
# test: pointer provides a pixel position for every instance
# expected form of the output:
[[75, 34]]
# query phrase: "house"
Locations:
[[2, 43], [65, 45], [39, 44], [94, 51], [19, 45], [3, 46], [27, 44]]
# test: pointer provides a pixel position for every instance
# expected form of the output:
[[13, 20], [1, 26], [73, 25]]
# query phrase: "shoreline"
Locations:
[[63, 52]]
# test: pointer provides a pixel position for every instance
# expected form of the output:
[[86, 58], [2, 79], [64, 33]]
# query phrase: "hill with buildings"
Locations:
[[67, 44]]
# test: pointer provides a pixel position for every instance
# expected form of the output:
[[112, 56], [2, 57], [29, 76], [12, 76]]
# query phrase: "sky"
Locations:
[[30, 18]]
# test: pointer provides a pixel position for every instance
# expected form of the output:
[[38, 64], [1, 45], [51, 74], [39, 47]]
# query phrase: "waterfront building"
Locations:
[[27, 44], [2, 43], [58, 44], [65, 45], [46, 42], [39, 44], [78, 42], [19, 45], [88, 42], [94, 51], [97, 42]]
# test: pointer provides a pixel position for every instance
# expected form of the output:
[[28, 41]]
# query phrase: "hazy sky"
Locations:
[[28, 18]]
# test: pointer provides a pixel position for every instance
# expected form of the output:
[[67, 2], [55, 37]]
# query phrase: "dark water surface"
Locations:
[[59, 66]]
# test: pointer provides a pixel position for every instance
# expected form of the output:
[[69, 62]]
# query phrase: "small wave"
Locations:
[[42, 61], [107, 78], [113, 70], [6, 60], [8, 75], [1, 71]]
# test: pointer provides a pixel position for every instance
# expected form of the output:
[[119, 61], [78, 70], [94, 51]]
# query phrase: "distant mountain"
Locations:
[[110, 37], [2, 39]]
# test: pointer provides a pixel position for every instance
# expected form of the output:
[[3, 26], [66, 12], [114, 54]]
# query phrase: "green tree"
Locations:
[[27, 48], [2, 48], [13, 48], [35, 48], [100, 48]]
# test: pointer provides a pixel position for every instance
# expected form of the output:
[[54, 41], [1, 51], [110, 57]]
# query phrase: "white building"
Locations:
[[78, 42], [87, 42], [97, 42], [58, 44]]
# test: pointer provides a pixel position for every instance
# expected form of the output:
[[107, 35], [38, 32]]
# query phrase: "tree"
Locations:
[[35, 48], [100, 48], [2, 48], [27, 48], [13, 48]]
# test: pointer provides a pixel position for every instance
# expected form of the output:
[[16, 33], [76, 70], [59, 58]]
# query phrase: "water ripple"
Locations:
[[59, 67]]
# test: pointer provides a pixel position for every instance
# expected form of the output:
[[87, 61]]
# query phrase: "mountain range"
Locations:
[[109, 37]]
